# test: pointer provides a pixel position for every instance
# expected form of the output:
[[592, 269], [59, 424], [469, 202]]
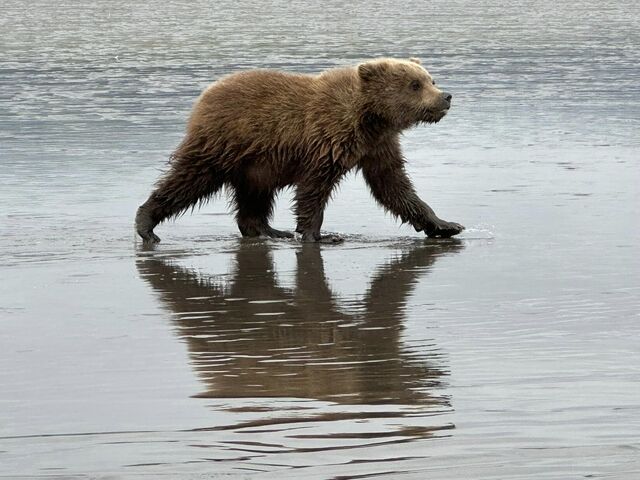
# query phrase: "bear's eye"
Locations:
[[416, 85], [433, 82]]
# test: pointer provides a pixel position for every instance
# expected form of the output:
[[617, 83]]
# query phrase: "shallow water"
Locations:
[[509, 353]]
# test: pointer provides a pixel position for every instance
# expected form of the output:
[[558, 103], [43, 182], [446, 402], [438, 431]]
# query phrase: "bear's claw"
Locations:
[[273, 233], [444, 229], [144, 226], [149, 237], [333, 239]]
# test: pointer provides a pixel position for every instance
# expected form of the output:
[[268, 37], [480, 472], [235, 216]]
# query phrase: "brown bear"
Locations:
[[260, 131]]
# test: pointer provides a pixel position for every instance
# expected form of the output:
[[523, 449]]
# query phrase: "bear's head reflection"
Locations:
[[250, 337]]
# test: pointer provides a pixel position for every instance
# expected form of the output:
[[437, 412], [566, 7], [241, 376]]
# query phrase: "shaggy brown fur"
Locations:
[[260, 131]]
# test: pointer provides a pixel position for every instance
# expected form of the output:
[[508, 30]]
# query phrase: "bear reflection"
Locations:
[[250, 337]]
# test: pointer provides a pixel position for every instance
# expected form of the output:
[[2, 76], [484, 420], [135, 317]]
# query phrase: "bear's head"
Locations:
[[402, 92]]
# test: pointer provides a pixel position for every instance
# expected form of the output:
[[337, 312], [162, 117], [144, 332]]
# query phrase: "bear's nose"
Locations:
[[447, 96]]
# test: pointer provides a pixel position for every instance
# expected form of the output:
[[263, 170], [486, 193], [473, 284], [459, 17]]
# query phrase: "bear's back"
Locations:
[[259, 97], [262, 109]]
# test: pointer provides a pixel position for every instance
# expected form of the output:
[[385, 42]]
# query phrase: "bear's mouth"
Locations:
[[433, 116]]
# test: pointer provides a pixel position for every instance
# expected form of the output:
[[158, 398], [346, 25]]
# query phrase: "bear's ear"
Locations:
[[370, 70], [415, 60]]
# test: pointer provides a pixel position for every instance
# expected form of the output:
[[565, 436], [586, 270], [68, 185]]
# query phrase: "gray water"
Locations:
[[510, 353]]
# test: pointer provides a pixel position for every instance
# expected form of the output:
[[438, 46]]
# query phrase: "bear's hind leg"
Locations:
[[180, 189], [254, 209]]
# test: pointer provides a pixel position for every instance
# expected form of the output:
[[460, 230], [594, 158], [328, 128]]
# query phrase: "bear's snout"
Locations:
[[446, 99]]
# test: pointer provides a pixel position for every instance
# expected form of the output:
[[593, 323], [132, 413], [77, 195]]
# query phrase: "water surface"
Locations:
[[509, 353]]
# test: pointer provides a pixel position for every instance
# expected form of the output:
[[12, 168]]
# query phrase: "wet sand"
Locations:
[[510, 352]]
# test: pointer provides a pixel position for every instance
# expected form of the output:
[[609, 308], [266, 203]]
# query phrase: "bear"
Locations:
[[257, 132]]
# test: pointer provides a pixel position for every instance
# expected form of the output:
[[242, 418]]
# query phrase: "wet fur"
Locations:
[[260, 131]]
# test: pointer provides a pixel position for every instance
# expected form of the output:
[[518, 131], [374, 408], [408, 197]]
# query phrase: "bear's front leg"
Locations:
[[254, 208], [390, 185], [311, 200]]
